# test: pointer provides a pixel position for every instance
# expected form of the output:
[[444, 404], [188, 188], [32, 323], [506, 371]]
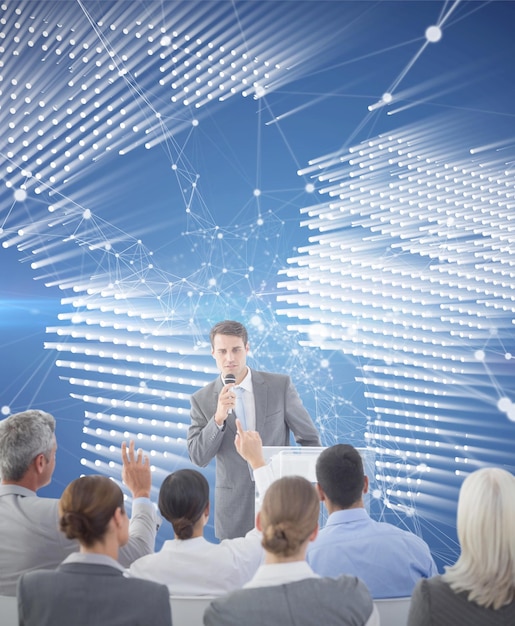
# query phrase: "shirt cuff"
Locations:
[[264, 477]]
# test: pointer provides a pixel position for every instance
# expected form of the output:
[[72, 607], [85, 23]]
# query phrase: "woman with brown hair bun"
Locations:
[[90, 588], [285, 590]]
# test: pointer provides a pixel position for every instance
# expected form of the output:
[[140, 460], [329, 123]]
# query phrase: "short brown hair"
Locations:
[[229, 327]]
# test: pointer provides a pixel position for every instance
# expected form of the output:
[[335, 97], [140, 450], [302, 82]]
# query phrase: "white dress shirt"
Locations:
[[198, 567]]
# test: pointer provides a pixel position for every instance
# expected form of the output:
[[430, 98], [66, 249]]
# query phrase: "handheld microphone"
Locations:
[[230, 378]]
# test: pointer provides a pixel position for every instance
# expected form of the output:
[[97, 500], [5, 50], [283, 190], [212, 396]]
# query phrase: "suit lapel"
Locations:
[[260, 399]]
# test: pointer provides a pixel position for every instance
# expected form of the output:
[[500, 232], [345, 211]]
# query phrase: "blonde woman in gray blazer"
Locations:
[[479, 589]]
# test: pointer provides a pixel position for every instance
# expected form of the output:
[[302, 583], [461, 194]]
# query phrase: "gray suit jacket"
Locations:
[[343, 601], [80, 594], [278, 410], [434, 603], [31, 539]]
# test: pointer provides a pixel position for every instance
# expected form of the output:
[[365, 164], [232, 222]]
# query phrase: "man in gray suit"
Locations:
[[267, 403], [29, 526]]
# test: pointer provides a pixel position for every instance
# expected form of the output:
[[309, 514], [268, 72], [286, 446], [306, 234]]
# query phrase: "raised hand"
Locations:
[[249, 446], [136, 471]]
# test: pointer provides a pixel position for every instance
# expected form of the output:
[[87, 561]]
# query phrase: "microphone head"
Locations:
[[230, 378]]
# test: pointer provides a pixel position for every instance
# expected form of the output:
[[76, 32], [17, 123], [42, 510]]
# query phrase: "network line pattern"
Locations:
[[379, 275]]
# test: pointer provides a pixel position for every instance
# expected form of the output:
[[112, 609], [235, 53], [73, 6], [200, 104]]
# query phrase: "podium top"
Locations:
[[301, 461]]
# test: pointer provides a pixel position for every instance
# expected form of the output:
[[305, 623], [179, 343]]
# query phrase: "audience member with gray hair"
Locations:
[[479, 589], [29, 525]]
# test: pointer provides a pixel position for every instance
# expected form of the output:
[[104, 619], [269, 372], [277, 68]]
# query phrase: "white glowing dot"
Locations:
[[87, 214], [194, 123], [20, 195], [310, 188], [166, 40], [479, 355], [433, 34], [260, 91], [257, 192], [387, 98], [5, 410], [504, 404], [507, 356]]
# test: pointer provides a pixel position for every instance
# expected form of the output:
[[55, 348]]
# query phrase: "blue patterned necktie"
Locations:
[[240, 407]]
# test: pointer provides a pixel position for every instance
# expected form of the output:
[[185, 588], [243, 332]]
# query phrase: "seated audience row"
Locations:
[[354, 558]]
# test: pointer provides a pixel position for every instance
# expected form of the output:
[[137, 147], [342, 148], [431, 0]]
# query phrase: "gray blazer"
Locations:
[[343, 601], [278, 410], [434, 603], [80, 594]]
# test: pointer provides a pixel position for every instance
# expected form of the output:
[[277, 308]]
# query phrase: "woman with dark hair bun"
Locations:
[[285, 590], [189, 564], [89, 588], [183, 501]]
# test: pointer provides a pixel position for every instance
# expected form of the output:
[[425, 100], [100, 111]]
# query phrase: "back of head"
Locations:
[[289, 514], [87, 506], [22, 437], [183, 498], [229, 327], [486, 523], [339, 472]]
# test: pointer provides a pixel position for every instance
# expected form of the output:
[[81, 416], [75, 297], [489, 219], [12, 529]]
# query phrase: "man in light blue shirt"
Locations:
[[389, 560]]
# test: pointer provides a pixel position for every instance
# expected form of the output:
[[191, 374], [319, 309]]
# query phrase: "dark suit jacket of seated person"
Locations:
[[479, 589], [29, 525], [189, 564], [90, 586], [388, 559], [276, 410], [285, 590]]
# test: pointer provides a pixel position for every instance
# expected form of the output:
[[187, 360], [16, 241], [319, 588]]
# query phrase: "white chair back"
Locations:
[[393, 611], [189, 610], [8, 611]]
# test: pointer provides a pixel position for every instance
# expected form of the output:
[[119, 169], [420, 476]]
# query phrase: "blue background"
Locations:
[[132, 220]]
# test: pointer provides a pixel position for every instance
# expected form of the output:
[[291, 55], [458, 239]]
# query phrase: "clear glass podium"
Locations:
[[301, 461]]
